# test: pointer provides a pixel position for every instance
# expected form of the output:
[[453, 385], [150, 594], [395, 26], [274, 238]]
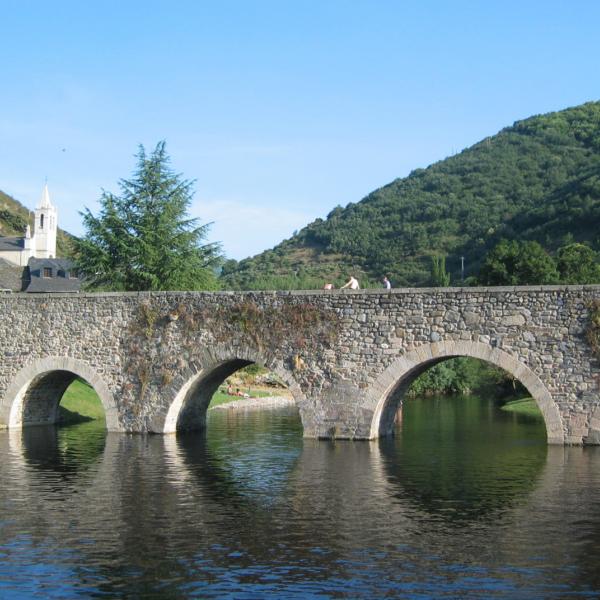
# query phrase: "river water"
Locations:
[[464, 502]]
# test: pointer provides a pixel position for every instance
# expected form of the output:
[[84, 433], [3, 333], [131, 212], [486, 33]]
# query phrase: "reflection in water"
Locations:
[[461, 458], [465, 501], [69, 449]]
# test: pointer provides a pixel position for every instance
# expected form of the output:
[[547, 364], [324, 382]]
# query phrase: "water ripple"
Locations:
[[454, 506]]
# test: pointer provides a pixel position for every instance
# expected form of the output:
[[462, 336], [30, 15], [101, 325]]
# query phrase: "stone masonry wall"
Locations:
[[343, 354]]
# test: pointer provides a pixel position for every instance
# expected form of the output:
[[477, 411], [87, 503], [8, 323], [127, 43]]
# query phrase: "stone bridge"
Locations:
[[155, 359]]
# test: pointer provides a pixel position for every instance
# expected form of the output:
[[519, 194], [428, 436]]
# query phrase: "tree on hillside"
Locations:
[[578, 263], [518, 263], [143, 239], [439, 276]]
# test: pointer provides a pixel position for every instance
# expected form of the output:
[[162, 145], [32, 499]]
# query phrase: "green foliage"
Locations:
[[518, 263], [527, 263], [592, 332], [13, 220], [465, 376], [523, 406], [286, 282], [439, 277], [578, 264], [440, 379], [538, 180], [80, 403], [143, 239], [220, 397], [251, 371]]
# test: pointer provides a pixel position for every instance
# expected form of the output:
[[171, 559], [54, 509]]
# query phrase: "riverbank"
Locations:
[[523, 406], [255, 403], [81, 404]]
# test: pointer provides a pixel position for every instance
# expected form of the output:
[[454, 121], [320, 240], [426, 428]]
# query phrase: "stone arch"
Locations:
[[384, 396], [187, 409], [39, 386]]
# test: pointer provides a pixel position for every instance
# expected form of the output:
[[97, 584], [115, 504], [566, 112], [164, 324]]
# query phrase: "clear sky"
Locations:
[[279, 110]]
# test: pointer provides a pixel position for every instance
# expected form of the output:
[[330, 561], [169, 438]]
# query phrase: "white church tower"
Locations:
[[39, 244], [45, 227]]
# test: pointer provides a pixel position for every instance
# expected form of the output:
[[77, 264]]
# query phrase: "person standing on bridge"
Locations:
[[386, 283], [352, 283]]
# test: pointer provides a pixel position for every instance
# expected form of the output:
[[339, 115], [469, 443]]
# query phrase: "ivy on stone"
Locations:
[[592, 333]]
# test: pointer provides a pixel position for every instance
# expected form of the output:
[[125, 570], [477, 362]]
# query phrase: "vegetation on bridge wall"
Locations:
[[301, 328], [592, 333]]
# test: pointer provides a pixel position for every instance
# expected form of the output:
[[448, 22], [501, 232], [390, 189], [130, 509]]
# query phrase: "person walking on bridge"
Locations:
[[352, 284]]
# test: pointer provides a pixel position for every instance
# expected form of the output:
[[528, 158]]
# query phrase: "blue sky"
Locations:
[[279, 110]]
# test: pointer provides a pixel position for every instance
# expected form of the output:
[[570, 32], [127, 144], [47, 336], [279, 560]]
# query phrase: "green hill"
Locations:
[[537, 180], [14, 218]]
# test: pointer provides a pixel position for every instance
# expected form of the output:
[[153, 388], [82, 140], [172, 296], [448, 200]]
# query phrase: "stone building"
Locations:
[[29, 264]]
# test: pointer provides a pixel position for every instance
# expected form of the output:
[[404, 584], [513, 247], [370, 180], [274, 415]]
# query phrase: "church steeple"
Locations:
[[45, 200]]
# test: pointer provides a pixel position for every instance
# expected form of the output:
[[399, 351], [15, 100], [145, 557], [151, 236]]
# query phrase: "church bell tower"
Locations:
[[44, 235]]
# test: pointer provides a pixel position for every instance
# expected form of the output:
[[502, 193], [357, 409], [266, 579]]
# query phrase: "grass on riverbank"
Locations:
[[221, 397], [79, 404], [523, 406]]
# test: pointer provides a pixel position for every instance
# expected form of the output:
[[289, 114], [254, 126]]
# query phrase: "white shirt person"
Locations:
[[352, 283]]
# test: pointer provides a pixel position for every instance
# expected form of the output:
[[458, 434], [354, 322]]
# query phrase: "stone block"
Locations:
[[452, 316], [471, 319], [513, 320]]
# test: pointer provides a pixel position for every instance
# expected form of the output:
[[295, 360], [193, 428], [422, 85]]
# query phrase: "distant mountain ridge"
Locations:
[[14, 218], [536, 180]]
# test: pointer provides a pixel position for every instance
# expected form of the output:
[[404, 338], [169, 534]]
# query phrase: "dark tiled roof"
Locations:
[[11, 243], [55, 284], [12, 277], [61, 281]]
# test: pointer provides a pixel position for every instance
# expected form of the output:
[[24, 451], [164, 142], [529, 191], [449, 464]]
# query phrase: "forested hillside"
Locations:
[[537, 180], [14, 218]]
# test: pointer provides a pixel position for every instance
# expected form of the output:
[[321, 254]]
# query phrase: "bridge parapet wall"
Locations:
[[336, 350]]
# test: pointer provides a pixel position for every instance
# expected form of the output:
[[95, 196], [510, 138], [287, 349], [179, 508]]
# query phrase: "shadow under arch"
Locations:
[[386, 394], [35, 393], [187, 410]]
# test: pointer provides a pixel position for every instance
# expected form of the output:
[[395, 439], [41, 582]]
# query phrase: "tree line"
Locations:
[[536, 181], [144, 239], [513, 262]]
